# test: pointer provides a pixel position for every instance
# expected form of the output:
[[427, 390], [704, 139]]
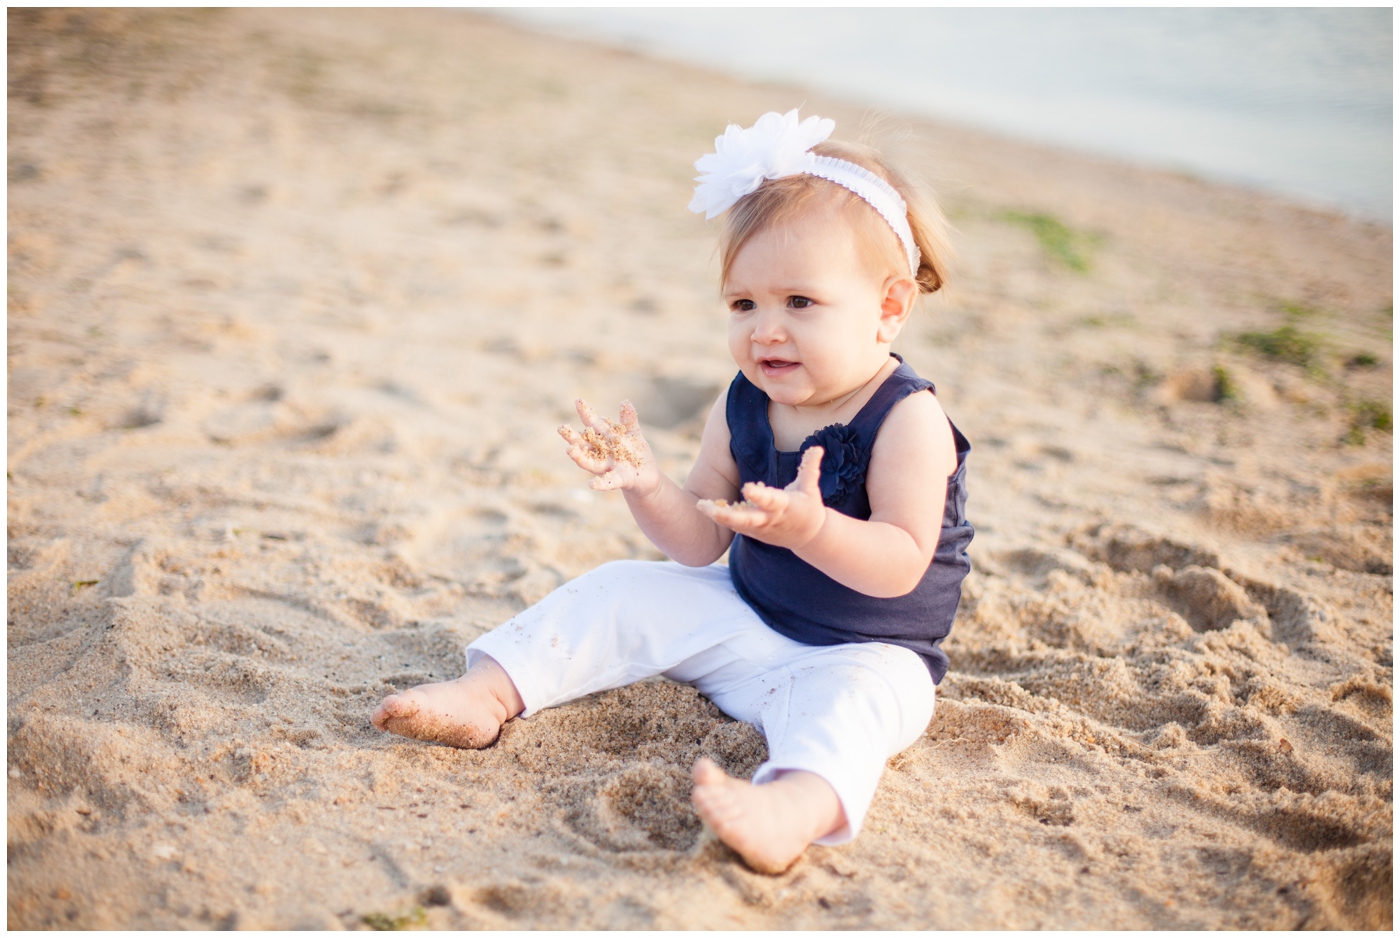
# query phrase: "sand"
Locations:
[[296, 303]]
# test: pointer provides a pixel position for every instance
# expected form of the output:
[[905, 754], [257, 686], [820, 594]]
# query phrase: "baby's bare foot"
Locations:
[[768, 825], [466, 713]]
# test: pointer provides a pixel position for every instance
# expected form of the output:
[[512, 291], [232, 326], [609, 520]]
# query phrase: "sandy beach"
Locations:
[[296, 302]]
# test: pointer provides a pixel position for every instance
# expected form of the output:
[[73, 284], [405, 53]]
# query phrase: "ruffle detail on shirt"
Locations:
[[843, 462], [750, 439]]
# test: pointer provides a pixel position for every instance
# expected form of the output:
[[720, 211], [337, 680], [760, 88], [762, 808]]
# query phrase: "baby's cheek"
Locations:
[[738, 346]]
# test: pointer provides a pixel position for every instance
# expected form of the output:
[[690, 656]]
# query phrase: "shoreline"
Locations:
[[653, 35]]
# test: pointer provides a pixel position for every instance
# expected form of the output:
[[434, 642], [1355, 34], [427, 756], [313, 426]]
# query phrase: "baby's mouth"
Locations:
[[776, 366]]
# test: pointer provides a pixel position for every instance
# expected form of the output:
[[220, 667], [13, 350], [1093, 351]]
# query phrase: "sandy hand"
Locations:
[[789, 517], [616, 453]]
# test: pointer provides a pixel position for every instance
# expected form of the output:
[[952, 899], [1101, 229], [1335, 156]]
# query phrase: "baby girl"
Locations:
[[847, 544]]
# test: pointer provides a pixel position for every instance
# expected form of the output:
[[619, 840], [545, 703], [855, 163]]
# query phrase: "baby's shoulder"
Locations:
[[916, 412], [916, 431]]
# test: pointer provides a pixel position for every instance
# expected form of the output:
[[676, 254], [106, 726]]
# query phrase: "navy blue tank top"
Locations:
[[796, 599]]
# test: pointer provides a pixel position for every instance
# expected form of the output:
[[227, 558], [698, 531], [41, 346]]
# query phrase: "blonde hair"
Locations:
[[780, 200]]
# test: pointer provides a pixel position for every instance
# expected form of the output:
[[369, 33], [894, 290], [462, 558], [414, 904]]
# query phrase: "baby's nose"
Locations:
[[767, 331]]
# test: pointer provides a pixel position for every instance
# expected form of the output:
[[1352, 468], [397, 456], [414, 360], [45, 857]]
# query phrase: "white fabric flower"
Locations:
[[779, 145], [776, 145]]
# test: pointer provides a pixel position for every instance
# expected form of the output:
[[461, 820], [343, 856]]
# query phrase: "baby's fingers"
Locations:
[[710, 509], [591, 419], [587, 461], [809, 473], [583, 455], [630, 423], [741, 518], [744, 520], [769, 499]]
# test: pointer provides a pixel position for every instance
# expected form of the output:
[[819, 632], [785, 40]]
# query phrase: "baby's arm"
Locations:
[[619, 457], [907, 483]]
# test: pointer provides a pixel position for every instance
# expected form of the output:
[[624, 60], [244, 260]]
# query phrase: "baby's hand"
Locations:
[[616, 453], [789, 517]]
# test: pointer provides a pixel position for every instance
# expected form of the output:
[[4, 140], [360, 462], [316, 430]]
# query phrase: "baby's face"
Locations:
[[805, 321]]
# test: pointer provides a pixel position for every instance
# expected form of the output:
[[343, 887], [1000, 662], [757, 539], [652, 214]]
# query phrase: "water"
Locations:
[[1295, 101]]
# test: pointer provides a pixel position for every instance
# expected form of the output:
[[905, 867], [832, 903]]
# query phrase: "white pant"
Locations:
[[838, 711]]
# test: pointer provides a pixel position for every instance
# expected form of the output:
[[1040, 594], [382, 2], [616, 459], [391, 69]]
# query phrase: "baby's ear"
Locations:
[[895, 307]]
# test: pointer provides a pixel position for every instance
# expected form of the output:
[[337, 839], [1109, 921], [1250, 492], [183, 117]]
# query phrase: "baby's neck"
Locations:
[[793, 423]]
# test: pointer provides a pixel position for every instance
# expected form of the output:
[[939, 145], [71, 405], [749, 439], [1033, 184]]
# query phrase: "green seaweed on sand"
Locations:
[[1226, 387], [1285, 344], [1367, 415], [1295, 310], [382, 921], [1363, 360], [1057, 239]]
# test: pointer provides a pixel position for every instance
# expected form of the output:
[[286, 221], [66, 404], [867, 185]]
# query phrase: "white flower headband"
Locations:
[[778, 145]]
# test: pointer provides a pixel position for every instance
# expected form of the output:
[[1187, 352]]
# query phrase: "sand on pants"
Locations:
[[296, 302]]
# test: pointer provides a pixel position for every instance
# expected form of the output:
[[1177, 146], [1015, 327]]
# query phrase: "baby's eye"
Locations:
[[799, 302], [741, 306]]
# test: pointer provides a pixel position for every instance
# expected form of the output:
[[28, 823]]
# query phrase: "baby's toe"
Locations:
[[398, 706], [380, 716], [704, 770]]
